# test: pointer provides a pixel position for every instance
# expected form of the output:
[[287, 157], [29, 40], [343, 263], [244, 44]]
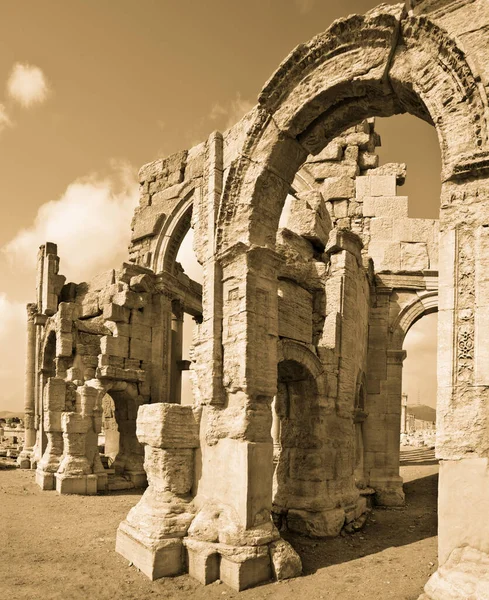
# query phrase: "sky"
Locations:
[[92, 89]]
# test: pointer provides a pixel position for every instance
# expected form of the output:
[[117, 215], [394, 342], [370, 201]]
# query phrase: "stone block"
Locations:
[[295, 312], [141, 332], [286, 563], [75, 423], [84, 485], [45, 480], [116, 313], [140, 349], [54, 395], [203, 566], [52, 421], [338, 187], [309, 217], [395, 207], [102, 482], [164, 425], [106, 360], [383, 185], [243, 575], [64, 344], [156, 559], [138, 478], [327, 523], [414, 256], [128, 299], [142, 283], [115, 346]]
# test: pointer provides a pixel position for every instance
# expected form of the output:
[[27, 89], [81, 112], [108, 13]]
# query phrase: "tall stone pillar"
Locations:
[[24, 460], [462, 437], [235, 487], [176, 352], [385, 479], [404, 428], [383, 426]]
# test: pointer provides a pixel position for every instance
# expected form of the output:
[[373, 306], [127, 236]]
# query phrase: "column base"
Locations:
[[83, 485], [45, 480], [246, 574], [327, 523], [102, 481], [24, 459], [204, 566], [154, 558], [240, 567], [388, 491], [138, 478], [464, 575]]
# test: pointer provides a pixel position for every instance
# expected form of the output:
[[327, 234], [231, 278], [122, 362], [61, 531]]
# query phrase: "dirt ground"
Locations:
[[63, 547]]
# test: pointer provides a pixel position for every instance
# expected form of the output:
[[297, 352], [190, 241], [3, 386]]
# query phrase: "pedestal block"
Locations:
[[151, 536]]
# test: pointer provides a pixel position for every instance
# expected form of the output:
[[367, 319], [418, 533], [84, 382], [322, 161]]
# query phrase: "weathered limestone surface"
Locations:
[[313, 273]]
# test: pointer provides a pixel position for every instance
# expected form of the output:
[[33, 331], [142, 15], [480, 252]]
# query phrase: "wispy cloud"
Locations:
[[27, 85], [4, 118], [12, 353], [90, 223], [304, 6], [229, 114]]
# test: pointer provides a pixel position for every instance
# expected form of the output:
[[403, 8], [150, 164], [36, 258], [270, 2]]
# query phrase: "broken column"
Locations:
[[74, 475], [151, 536], [53, 407]]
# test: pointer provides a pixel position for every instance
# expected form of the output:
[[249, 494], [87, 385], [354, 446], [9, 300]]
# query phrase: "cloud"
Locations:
[[4, 118], [27, 85], [304, 6], [12, 353], [90, 223], [230, 114]]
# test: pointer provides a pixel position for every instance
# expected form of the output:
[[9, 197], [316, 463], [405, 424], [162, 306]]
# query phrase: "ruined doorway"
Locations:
[[296, 445]]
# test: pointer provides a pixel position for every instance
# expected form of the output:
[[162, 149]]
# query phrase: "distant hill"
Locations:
[[422, 412], [8, 414]]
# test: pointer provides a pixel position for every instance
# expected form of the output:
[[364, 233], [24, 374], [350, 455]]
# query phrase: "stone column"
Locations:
[[24, 460], [235, 487], [176, 352], [462, 437], [151, 536], [385, 478], [404, 428]]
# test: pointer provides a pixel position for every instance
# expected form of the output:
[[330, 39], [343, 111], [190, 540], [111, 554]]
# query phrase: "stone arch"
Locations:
[[379, 64], [289, 350], [48, 353], [173, 230], [423, 304]]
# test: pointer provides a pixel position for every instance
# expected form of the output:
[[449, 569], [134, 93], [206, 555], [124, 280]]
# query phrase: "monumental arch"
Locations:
[[312, 274]]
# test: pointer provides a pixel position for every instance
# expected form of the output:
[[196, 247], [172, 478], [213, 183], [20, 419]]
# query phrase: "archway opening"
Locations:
[[185, 319], [295, 440], [419, 386], [122, 454]]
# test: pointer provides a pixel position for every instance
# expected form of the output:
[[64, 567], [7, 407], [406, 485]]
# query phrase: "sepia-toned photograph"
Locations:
[[244, 266]]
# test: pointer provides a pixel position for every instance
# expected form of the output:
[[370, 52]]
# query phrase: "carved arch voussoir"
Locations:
[[422, 304]]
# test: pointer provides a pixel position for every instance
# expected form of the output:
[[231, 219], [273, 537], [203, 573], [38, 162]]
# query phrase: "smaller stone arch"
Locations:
[[289, 350], [423, 304], [173, 230]]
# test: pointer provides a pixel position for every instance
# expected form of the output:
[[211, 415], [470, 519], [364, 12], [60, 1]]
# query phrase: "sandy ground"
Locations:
[[63, 547]]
